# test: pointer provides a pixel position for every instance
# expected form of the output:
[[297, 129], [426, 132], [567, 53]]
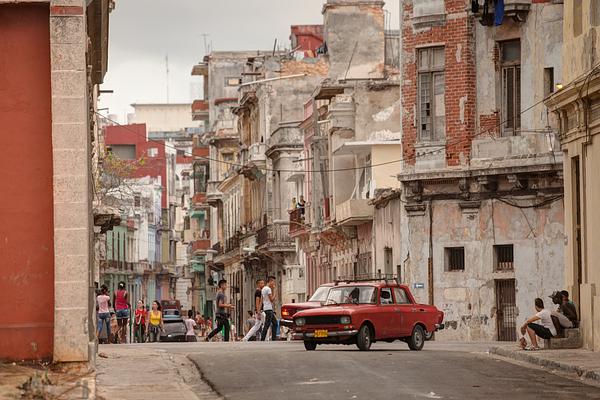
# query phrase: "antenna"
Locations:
[[167, 65], [204, 36]]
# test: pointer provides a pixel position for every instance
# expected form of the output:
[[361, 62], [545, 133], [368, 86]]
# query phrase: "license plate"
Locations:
[[320, 333]]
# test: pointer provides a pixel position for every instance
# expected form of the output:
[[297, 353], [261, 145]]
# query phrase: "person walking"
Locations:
[[222, 317], [154, 322], [103, 300], [190, 324], [140, 322], [259, 315], [120, 300], [268, 298]]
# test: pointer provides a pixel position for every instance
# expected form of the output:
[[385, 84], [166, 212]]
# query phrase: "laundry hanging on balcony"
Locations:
[[499, 12]]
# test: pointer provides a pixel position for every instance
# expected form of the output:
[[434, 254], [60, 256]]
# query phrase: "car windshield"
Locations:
[[352, 295], [320, 294]]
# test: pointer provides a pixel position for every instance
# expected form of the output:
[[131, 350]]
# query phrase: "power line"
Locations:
[[408, 158]]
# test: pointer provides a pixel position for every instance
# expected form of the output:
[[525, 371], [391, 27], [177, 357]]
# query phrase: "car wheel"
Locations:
[[417, 338], [310, 346], [428, 335], [363, 338]]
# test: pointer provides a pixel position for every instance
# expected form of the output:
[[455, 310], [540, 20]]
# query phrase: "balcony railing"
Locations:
[[297, 223], [232, 243], [200, 246], [275, 237], [217, 247], [256, 153]]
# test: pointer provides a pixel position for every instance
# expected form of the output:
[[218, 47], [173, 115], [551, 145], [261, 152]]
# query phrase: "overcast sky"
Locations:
[[144, 32]]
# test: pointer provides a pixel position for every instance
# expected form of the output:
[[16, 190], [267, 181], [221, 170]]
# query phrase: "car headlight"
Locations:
[[300, 321], [345, 320]]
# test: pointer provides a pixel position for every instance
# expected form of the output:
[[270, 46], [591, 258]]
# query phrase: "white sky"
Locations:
[[143, 32]]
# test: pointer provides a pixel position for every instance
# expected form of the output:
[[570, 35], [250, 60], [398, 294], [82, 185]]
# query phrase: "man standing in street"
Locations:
[[222, 316], [259, 315], [268, 298]]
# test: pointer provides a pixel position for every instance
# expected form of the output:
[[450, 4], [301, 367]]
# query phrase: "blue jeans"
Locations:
[[102, 319], [123, 313]]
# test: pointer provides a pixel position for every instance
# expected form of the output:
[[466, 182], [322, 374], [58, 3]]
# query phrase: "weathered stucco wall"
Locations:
[[355, 56], [541, 44], [581, 38], [468, 297]]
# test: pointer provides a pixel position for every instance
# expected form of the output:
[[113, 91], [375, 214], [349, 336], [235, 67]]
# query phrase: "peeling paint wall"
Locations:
[[468, 297]]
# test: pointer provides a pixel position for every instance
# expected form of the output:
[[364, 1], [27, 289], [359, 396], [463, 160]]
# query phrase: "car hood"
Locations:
[[345, 309], [302, 306]]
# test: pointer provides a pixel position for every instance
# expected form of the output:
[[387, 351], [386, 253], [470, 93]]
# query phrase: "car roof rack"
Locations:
[[367, 278]]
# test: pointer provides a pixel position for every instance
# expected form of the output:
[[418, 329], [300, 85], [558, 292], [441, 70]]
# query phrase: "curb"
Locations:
[[543, 362]]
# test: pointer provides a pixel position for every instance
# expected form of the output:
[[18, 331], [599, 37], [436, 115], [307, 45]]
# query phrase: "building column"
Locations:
[[71, 182]]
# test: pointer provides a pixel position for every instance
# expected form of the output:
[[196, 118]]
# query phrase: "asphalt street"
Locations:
[[248, 371]]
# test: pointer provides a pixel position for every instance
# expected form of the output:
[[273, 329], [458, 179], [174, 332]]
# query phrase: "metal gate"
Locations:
[[506, 314]]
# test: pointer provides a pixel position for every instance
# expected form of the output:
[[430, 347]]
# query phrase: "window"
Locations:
[[401, 296], [595, 14], [233, 81], [152, 152], [510, 57], [548, 81], [385, 296], [137, 201], [431, 92], [503, 257], [455, 258], [301, 273], [123, 151], [387, 260]]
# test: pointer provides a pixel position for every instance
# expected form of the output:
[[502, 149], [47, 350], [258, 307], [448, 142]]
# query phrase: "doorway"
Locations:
[[506, 315]]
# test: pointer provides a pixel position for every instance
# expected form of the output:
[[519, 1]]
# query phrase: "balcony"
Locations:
[[354, 212], [200, 69], [297, 224], [275, 237], [200, 110], [286, 137], [217, 248], [199, 200], [213, 195], [201, 152], [342, 116], [515, 9], [256, 154], [200, 246], [231, 244]]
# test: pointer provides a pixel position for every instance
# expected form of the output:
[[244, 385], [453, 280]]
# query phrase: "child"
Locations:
[[190, 324]]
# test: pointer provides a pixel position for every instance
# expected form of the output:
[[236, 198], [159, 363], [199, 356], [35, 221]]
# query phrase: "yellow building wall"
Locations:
[[385, 176]]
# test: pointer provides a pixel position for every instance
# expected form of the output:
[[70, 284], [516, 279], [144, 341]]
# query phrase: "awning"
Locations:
[[198, 214]]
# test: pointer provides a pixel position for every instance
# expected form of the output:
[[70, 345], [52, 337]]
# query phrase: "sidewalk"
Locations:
[[584, 363], [143, 372], [36, 381]]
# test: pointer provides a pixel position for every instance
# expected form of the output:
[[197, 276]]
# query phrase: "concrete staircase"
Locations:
[[571, 339]]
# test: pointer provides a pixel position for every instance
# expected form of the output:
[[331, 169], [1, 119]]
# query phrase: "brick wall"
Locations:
[[456, 34]]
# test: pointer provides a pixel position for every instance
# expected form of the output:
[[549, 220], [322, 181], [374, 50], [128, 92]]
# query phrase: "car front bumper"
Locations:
[[288, 323], [330, 334]]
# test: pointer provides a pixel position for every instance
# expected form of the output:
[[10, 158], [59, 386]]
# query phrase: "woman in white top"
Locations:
[[540, 324]]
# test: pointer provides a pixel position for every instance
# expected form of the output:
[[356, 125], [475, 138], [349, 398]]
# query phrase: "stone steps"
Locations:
[[571, 339]]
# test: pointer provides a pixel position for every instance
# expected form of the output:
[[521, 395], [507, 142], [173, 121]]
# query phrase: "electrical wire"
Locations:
[[448, 145]]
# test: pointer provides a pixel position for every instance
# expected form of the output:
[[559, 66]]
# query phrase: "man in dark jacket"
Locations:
[[567, 307]]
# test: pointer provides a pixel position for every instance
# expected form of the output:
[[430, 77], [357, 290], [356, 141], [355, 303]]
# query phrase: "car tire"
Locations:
[[310, 346], [417, 338], [428, 335], [363, 338]]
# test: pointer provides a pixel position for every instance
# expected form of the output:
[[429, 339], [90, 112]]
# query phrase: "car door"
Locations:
[[405, 312], [387, 316]]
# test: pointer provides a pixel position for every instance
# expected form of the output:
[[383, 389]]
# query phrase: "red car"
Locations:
[[364, 312], [316, 300]]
